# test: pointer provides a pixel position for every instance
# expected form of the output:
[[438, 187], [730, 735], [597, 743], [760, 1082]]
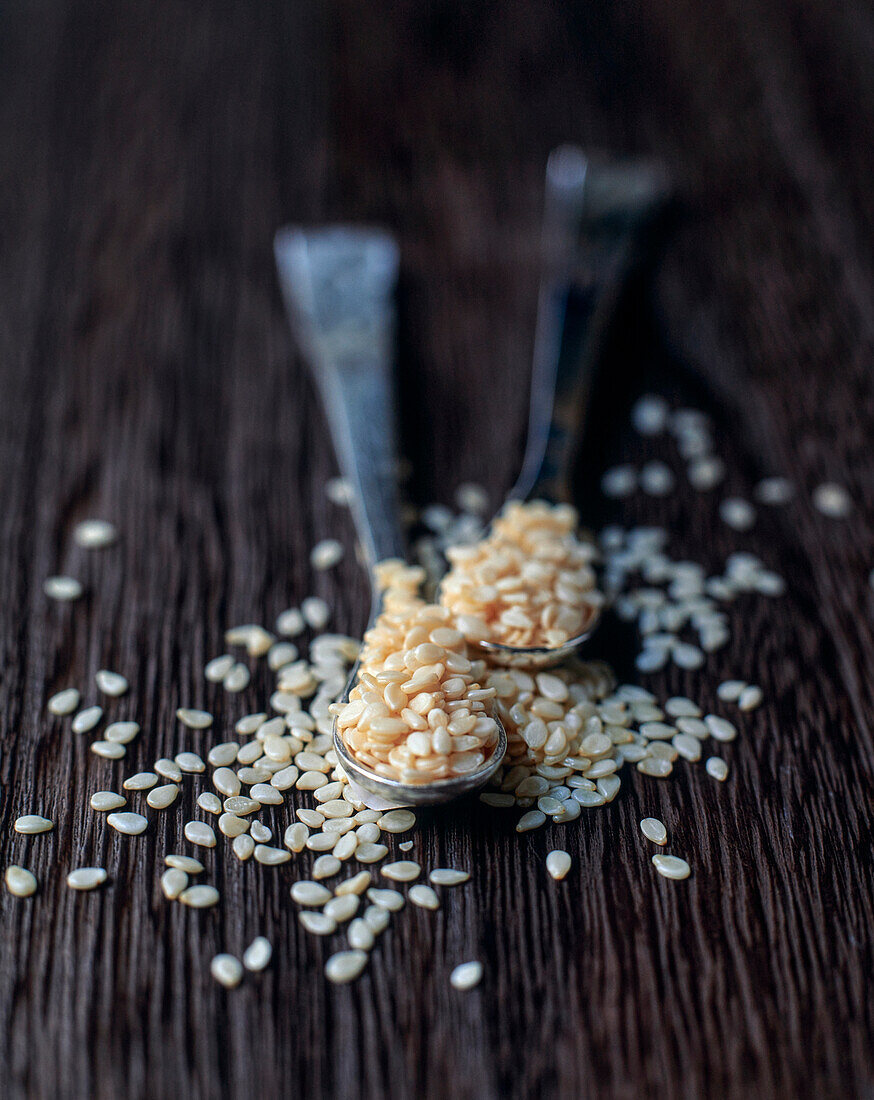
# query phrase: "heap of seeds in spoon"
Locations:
[[529, 583]]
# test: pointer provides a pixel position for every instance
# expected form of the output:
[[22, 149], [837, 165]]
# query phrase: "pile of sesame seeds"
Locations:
[[270, 788]]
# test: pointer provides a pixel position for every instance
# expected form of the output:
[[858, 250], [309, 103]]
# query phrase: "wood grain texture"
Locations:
[[150, 151]]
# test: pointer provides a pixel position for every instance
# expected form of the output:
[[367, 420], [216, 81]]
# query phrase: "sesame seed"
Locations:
[[86, 878], [121, 733], [360, 935], [750, 698], [316, 612], [717, 768], [340, 491], [706, 473], [161, 797], [619, 482], [110, 750], [657, 479], [671, 866], [20, 882], [533, 819], [355, 885], [222, 755], [65, 702], [369, 853], [448, 876], [128, 823], [237, 679], [62, 588], [310, 893], [142, 781], [342, 908], [104, 801], [168, 769], [345, 966], [832, 500], [87, 719], [326, 866], [737, 514], [194, 719], [720, 728], [243, 846], [466, 975], [558, 863], [227, 970], [209, 803], [657, 768], [198, 832], [774, 491], [189, 762], [254, 637], [291, 623], [218, 668], [249, 724], [258, 954], [654, 830], [404, 870], [173, 882], [94, 534], [424, 896], [31, 824], [199, 897], [188, 864], [326, 554], [319, 924], [649, 414], [729, 691], [271, 857], [110, 683]]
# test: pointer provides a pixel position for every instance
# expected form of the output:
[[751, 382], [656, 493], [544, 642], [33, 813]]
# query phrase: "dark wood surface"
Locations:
[[149, 153]]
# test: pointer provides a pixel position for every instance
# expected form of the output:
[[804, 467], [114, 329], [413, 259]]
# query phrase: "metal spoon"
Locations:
[[593, 214], [338, 284]]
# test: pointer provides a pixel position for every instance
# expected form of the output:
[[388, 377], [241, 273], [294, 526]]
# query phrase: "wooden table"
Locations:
[[150, 152]]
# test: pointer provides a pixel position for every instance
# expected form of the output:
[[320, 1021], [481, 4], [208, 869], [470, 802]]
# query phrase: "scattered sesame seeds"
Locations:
[[339, 491], [318, 924], [121, 733], [188, 864], [326, 554], [657, 479], [315, 612], [619, 482], [87, 719], [720, 728], [832, 500], [404, 870], [706, 473], [271, 857], [31, 824], [168, 769], [20, 882], [717, 768], [774, 491], [472, 498], [729, 691], [671, 866], [310, 893], [750, 698], [737, 514], [110, 683], [173, 882], [198, 832], [194, 719], [424, 896], [649, 414], [129, 824], [65, 702], [64, 589], [110, 750], [94, 534], [654, 830], [237, 679], [159, 798], [227, 970], [218, 668], [558, 863], [466, 975], [104, 801], [189, 762], [86, 878], [142, 781], [291, 623], [448, 876]]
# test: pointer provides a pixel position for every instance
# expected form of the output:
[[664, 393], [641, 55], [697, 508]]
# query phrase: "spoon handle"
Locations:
[[338, 284], [593, 214]]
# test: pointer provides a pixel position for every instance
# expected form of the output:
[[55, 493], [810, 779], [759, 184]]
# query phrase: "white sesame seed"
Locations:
[[249, 724], [583, 797], [271, 857], [369, 853], [87, 719], [355, 885], [258, 954], [424, 896], [750, 698], [168, 769], [657, 479], [128, 823], [654, 830], [720, 728], [110, 683], [619, 482], [345, 966], [94, 534], [687, 746], [706, 473], [316, 612], [237, 679], [533, 819], [104, 801], [774, 491], [832, 500], [227, 970], [686, 655], [326, 866], [254, 637], [326, 554], [189, 762], [558, 863], [222, 755], [310, 893], [233, 826], [717, 768], [110, 750], [342, 908], [340, 491], [345, 847], [188, 864], [173, 882], [198, 832], [649, 414], [466, 975], [729, 691], [31, 824], [282, 654], [656, 767], [291, 623], [86, 878], [209, 803], [240, 804], [397, 821], [62, 588], [218, 668], [20, 882], [448, 876], [194, 719], [243, 846], [671, 866], [199, 897], [121, 733], [285, 778], [360, 935], [737, 514], [266, 794], [159, 798], [65, 702], [471, 497], [261, 833], [296, 836], [404, 870], [142, 781], [319, 924], [680, 707]]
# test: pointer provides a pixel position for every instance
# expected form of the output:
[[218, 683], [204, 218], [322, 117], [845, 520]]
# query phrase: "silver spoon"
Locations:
[[338, 285], [593, 214]]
